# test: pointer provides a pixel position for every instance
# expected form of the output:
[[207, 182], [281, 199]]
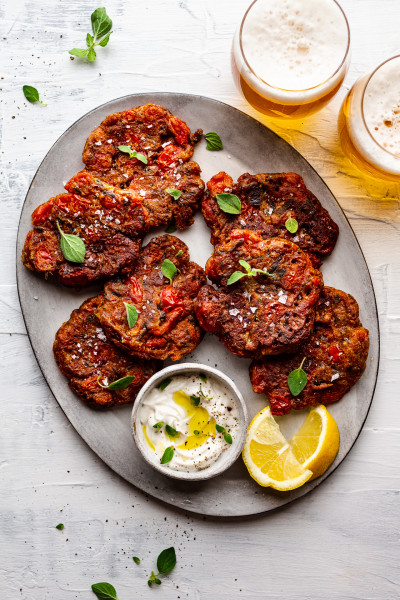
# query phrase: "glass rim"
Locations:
[[283, 89], [362, 106]]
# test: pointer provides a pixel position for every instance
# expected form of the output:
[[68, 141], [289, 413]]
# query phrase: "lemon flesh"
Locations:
[[316, 443], [268, 456]]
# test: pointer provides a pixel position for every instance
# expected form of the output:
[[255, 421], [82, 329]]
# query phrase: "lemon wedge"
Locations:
[[269, 457], [316, 443]]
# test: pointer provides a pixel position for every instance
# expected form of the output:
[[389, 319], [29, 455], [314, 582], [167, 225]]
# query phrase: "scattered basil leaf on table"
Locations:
[[168, 269], [297, 380], [72, 246], [166, 560], [101, 27], [164, 383], [213, 141], [133, 154], [171, 431], [60, 526], [131, 314], [176, 194], [119, 384], [158, 425], [291, 225], [168, 455], [31, 94], [136, 560], [229, 203], [104, 591], [153, 579]]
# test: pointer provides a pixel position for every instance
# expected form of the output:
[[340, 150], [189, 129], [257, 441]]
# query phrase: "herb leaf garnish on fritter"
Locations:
[[119, 384], [176, 194], [291, 225], [131, 314], [101, 27], [297, 380], [168, 269], [229, 203], [72, 246], [133, 154], [236, 275]]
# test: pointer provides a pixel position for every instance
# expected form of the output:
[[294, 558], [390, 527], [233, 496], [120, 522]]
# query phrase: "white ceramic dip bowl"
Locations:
[[227, 453]]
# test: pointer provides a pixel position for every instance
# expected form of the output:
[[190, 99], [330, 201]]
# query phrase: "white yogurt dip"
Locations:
[[192, 408]]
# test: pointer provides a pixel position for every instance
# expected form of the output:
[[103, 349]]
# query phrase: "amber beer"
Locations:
[[369, 123], [291, 56]]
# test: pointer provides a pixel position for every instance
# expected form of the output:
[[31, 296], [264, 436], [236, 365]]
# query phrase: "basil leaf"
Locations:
[[213, 141], [164, 383], [171, 228], [291, 225], [166, 560], [101, 23], [127, 150], [119, 384], [72, 246], [136, 560], [89, 40], [167, 457], [60, 526], [178, 254], [31, 94], [196, 432], [105, 41], [174, 193], [219, 428], [91, 54], [245, 264], [104, 591], [228, 438], [157, 581], [195, 400], [131, 314], [235, 277], [168, 269], [80, 52], [158, 425], [203, 377], [140, 157], [171, 431], [229, 203], [297, 380]]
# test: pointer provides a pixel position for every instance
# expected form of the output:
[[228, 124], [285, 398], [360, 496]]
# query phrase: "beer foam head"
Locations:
[[381, 105], [295, 44]]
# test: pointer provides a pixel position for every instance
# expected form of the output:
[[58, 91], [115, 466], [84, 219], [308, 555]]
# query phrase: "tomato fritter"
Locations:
[[260, 314], [85, 357], [102, 216], [151, 130], [166, 326], [268, 200], [335, 358]]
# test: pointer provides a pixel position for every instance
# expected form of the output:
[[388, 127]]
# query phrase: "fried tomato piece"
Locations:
[[84, 356], [268, 200], [150, 130], [166, 326], [103, 216], [260, 315], [335, 358]]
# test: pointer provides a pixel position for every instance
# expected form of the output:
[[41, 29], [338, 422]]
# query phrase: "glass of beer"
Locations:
[[291, 55], [369, 124]]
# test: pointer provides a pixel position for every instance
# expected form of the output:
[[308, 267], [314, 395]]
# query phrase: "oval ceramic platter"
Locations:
[[248, 146]]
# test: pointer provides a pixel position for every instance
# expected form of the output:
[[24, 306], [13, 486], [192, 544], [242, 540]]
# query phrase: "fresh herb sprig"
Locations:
[[249, 272], [72, 246], [101, 28], [214, 142], [119, 384], [168, 269], [229, 203], [133, 154], [227, 436], [297, 380], [104, 591], [31, 94], [166, 561]]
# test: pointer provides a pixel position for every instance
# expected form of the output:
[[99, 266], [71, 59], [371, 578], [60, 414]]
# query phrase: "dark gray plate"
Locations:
[[248, 146]]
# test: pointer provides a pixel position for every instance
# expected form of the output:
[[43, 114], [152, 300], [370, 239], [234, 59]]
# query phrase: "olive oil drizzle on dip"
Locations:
[[196, 444]]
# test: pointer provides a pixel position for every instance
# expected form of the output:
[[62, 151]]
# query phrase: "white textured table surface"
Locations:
[[341, 541]]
